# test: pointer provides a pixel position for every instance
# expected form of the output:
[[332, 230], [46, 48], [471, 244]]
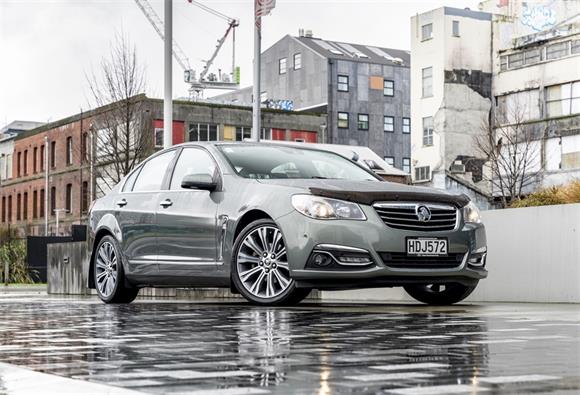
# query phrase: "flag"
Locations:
[[263, 7]]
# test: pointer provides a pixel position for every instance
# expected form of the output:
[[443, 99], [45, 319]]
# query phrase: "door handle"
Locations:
[[122, 203], [166, 203]]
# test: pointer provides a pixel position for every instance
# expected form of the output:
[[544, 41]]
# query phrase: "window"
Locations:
[[18, 166], [516, 60], [128, 186], [9, 215], [192, 161], [427, 32], [69, 148], [42, 157], [343, 83], [388, 88], [18, 206], [68, 201], [563, 99], [427, 77], [3, 208], [84, 197], [503, 63], [455, 29], [203, 132], [427, 131], [576, 46], [363, 122], [407, 165], [389, 124], [35, 160], [266, 134], [158, 137], [422, 173], [53, 154], [25, 164], [84, 147], [297, 61], [519, 106], [25, 206], [34, 204], [556, 51], [533, 56], [52, 200], [243, 133], [343, 120], [282, 66], [406, 125], [41, 210], [390, 160], [152, 173]]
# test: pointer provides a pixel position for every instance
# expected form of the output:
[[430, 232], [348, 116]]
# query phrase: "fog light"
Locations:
[[321, 260]]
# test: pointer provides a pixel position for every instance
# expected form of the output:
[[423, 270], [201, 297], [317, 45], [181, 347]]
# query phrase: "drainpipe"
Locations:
[[46, 191]]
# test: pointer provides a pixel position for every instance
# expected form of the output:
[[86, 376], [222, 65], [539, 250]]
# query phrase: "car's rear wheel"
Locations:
[[109, 275], [440, 294], [260, 268]]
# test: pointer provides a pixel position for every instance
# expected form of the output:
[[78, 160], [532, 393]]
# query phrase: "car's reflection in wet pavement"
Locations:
[[234, 348]]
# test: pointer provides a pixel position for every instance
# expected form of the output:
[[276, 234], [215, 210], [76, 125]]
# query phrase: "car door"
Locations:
[[135, 209], [186, 221]]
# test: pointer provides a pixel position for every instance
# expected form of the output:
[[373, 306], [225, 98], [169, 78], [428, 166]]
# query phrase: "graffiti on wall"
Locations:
[[539, 17], [287, 105]]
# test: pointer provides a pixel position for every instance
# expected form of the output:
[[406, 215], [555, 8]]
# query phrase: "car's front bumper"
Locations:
[[304, 235]]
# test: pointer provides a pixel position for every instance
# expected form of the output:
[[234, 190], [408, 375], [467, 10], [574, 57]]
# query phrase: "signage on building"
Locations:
[[287, 105], [539, 16]]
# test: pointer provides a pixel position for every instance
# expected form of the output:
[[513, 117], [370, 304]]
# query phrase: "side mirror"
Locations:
[[199, 181]]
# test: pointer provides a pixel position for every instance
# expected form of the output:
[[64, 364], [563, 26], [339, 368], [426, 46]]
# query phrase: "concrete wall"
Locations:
[[534, 256]]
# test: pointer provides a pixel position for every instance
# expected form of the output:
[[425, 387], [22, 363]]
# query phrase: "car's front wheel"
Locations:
[[109, 275], [440, 294], [260, 269]]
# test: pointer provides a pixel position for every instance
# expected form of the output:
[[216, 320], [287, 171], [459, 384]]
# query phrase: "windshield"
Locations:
[[272, 162]]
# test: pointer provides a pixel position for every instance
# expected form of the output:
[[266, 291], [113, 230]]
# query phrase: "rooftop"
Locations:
[[357, 52]]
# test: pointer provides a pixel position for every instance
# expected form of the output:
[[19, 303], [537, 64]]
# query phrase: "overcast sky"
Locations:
[[47, 46]]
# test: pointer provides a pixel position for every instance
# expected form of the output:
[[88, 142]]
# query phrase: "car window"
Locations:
[[151, 175], [191, 161], [268, 162], [130, 181]]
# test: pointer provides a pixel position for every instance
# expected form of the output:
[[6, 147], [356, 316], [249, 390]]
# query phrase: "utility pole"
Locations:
[[256, 110], [46, 184], [168, 97]]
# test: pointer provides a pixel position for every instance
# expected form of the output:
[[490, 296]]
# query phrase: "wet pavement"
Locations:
[[228, 348]]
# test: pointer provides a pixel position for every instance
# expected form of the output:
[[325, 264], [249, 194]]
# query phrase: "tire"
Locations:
[[109, 274], [433, 294], [260, 269]]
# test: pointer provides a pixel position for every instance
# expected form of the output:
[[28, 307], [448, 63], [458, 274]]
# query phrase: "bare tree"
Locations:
[[512, 150], [119, 132]]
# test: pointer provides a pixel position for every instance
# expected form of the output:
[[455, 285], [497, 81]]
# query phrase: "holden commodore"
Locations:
[[273, 222]]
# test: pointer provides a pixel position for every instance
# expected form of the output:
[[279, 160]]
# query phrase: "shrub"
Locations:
[[563, 194], [14, 252]]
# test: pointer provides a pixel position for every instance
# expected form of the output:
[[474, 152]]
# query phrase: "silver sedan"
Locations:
[[273, 222]]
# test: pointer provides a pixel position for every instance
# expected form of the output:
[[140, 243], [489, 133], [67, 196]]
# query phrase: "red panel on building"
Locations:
[[303, 135], [278, 134], [178, 130]]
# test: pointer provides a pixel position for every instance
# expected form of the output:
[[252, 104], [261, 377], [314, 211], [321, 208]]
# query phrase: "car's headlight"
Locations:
[[324, 208], [471, 213]]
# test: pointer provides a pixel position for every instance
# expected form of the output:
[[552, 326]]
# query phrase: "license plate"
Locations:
[[426, 247]]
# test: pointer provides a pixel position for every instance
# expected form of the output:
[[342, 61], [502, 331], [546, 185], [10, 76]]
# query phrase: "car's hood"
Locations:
[[369, 192]]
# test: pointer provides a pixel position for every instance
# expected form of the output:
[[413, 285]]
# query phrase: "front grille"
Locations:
[[401, 260], [404, 216]]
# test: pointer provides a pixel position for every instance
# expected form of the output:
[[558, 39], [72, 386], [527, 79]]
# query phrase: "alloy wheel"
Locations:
[[262, 263], [106, 269]]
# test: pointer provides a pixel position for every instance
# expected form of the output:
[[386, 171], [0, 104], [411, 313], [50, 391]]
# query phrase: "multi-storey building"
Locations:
[[472, 70], [363, 89], [7, 135], [72, 180]]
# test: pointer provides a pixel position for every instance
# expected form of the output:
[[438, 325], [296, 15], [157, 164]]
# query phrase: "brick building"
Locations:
[[70, 147]]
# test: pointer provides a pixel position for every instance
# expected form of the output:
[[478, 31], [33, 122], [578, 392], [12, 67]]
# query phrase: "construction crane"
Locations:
[[205, 80]]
